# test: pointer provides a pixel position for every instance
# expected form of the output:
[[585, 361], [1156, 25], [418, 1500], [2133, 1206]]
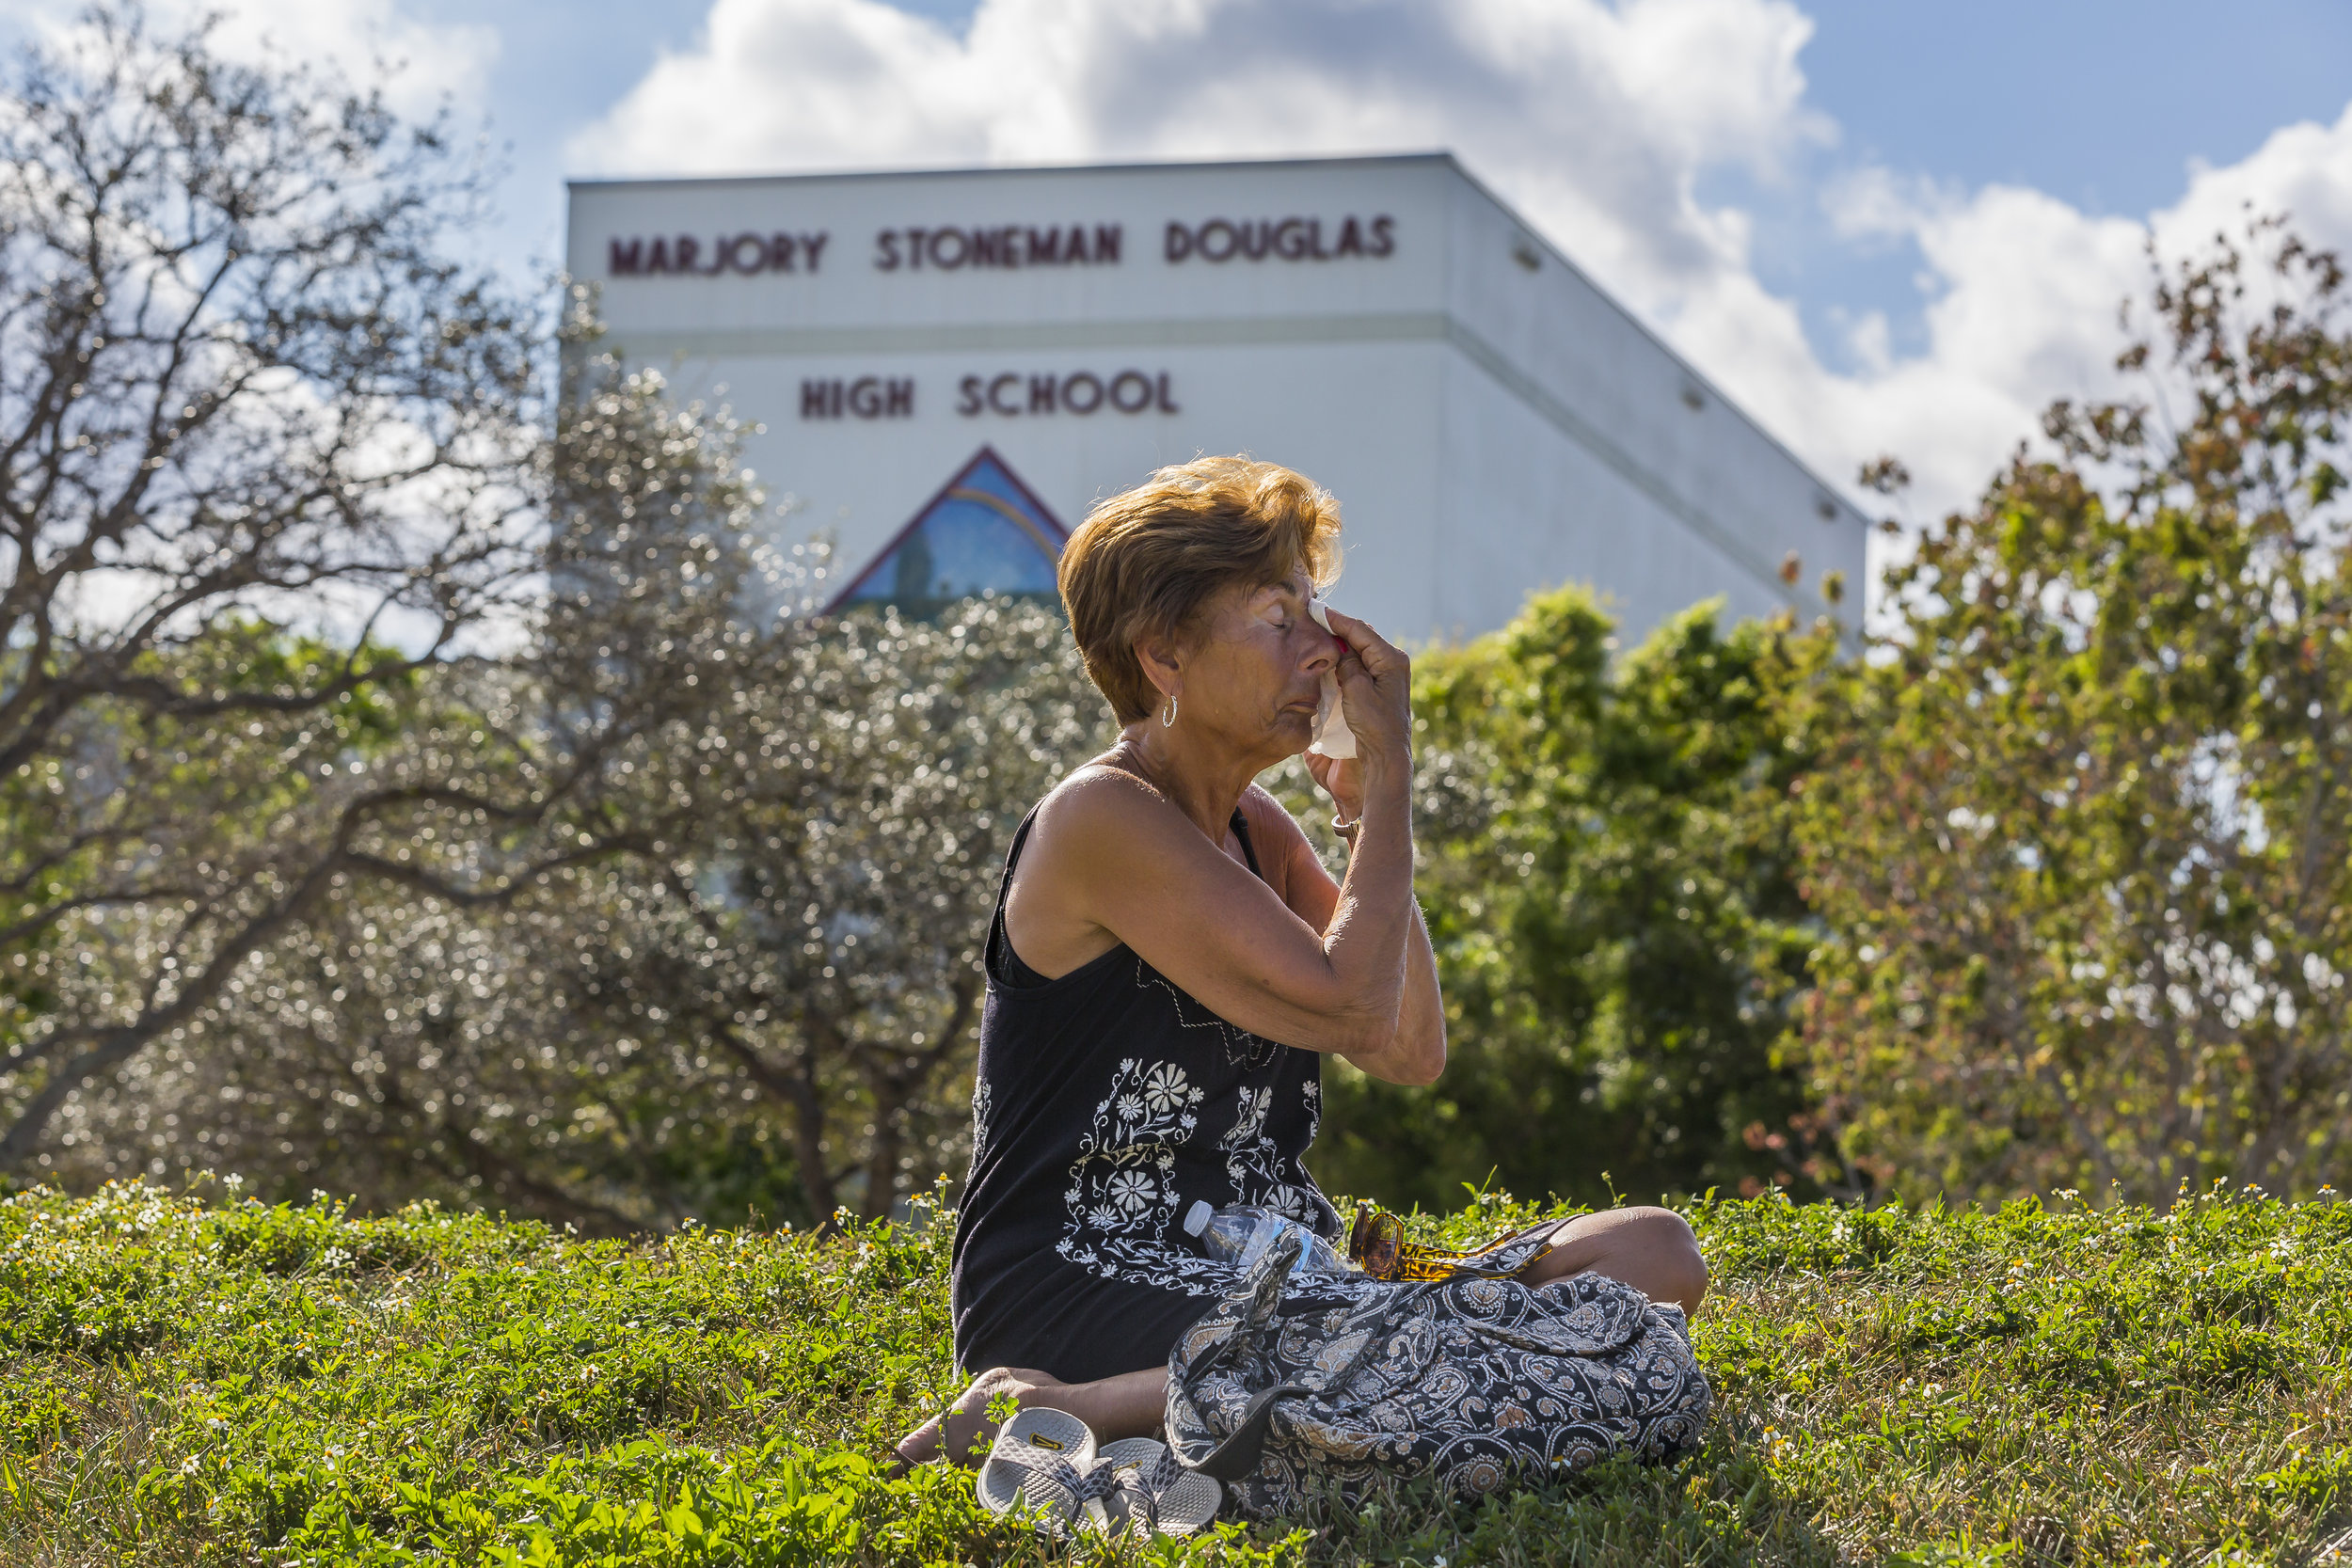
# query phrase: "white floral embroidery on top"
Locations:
[[1164, 1089], [1122, 1198], [1254, 1163]]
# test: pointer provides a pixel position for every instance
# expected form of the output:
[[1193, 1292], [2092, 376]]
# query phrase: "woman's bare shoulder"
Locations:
[[1098, 797]]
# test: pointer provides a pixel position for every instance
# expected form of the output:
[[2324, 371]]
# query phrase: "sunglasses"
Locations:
[[1376, 1244]]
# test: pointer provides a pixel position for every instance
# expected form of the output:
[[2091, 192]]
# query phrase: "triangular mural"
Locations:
[[984, 530]]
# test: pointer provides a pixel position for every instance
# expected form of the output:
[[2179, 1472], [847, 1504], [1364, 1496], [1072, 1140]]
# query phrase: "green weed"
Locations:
[[196, 1383]]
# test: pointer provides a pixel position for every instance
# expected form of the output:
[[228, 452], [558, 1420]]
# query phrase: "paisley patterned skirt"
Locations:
[[1480, 1379]]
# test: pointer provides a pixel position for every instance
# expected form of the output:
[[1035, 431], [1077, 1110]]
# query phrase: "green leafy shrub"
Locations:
[[1605, 863]]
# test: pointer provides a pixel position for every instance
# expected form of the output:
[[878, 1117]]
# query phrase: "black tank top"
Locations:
[[1107, 1102]]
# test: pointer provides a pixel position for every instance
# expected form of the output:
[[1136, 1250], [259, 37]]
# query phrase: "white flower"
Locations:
[[1129, 1107], [1131, 1190], [1164, 1089]]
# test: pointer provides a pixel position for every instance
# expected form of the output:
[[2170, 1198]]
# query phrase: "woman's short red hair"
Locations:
[[1144, 562]]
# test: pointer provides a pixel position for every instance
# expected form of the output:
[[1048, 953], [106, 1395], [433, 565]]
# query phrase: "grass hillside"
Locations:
[[195, 1383]]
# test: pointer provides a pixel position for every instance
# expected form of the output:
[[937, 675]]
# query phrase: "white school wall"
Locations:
[[1577, 444], [1489, 427]]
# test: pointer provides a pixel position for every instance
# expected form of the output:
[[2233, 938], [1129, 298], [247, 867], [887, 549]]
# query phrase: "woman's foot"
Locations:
[[966, 1424], [1128, 1404]]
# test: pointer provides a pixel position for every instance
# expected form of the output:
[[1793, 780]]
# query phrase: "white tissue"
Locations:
[[1332, 736]]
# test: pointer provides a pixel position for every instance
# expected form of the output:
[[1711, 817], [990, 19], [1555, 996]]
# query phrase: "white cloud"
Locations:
[[1601, 118], [2024, 292], [1598, 121], [2023, 309], [430, 62], [420, 65]]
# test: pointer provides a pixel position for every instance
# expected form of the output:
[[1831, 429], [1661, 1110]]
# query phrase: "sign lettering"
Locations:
[[1016, 394], [746, 253], [1006, 248], [1291, 239], [1007, 245], [869, 397]]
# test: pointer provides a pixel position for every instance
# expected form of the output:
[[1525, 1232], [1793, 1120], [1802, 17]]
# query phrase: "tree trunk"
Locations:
[[881, 1152]]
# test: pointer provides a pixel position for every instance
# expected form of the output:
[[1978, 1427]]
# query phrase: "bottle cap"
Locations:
[[1196, 1217]]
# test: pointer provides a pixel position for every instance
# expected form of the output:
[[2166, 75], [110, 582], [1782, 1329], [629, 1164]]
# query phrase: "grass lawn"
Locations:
[[230, 1382]]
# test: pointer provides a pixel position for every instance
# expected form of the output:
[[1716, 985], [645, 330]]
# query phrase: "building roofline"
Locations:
[[1140, 165]]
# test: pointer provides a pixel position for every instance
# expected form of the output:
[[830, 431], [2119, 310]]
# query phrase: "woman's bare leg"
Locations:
[[1129, 1405], [1651, 1249]]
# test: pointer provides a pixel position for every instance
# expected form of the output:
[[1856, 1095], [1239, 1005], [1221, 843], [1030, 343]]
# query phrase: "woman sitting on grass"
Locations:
[[1169, 963]]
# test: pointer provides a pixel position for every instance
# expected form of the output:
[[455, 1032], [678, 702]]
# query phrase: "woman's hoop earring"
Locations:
[[1167, 714]]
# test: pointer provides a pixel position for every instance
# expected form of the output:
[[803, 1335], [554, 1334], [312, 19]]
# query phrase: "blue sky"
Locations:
[[2101, 105], [1883, 224]]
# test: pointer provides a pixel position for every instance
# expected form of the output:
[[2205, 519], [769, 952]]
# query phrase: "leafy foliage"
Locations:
[[404, 779], [1608, 881], [250, 1383], [743, 975], [267, 461], [2084, 825], [229, 993]]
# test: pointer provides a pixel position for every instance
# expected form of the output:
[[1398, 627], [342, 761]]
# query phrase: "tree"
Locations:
[[773, 1009], [1609, 880], [862, 888], [281, 491], [235, 382], [485, 819], [404, 782], [2083, 829], [818, 951]]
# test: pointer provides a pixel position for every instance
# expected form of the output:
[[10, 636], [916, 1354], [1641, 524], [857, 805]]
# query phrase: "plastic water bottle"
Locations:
[[1240, 1235]]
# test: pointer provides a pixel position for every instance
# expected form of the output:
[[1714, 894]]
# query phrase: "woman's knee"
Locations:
[[1652, 1249], [1675, 1246]]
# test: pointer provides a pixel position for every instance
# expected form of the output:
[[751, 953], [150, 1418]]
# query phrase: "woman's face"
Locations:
[[1256, 669]]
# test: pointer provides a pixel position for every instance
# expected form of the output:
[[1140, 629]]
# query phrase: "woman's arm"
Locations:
[[1416, 1053], [1109, 854]]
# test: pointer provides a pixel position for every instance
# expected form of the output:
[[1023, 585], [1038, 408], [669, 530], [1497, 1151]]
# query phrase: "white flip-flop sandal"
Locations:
[[1046, 1459], [1149, 1492]]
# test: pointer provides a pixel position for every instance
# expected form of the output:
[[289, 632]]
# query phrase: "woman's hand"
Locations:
[[1376, 697], [1343, 779]]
